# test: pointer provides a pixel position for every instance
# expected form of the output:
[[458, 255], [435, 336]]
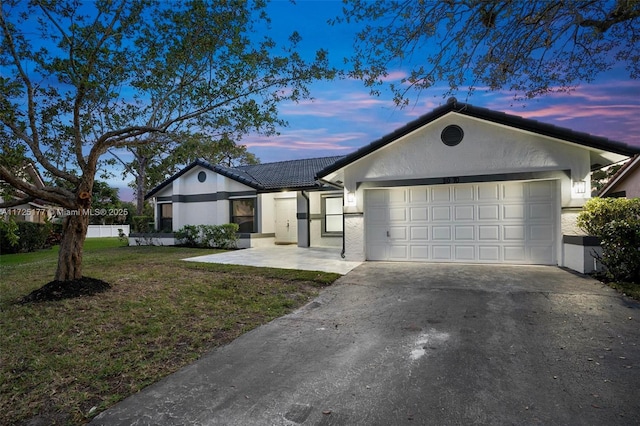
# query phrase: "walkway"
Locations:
[[326, 259]]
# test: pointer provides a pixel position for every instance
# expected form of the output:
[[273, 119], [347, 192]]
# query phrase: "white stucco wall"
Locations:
[[486, 149]]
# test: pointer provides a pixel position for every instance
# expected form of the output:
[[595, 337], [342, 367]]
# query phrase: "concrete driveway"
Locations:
[[406, 343]]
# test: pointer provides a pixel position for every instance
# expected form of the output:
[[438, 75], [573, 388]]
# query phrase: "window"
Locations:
[[243, 212], [166, 217], [332, 209]]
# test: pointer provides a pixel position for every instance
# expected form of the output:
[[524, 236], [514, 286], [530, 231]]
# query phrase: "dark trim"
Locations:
[[196, 198], [203, 198], [514, 121], [224, 195], [581, 240], [167, 199], [353, 214], [301, 216], [500, 177], [254, 235]]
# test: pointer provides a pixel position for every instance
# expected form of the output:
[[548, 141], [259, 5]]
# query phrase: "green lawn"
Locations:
[[66, 361]]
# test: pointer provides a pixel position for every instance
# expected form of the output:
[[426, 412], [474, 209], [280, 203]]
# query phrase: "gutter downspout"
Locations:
[[306, 197], [344, 248]]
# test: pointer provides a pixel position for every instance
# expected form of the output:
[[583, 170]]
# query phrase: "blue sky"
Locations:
[[343, 116]]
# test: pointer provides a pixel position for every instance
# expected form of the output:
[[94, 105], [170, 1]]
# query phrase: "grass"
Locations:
[[628, 289], [64, 362]]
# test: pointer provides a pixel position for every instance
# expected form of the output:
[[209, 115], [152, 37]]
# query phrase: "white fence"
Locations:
[[97, 231]]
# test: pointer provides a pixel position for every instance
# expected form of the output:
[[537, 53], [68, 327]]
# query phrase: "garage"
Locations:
[[493, 222]]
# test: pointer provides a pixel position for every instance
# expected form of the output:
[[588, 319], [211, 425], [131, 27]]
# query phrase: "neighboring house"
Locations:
[[459, 184], [626, 181], [37, 211]]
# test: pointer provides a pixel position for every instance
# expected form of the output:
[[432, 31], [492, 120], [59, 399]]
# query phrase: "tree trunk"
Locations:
[[74, 232]]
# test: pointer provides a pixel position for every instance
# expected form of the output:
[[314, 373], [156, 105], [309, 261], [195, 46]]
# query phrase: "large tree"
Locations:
[[527, 47], [166, 153], [78, 79]]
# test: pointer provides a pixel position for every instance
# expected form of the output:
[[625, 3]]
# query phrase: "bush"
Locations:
[[220, 236], [617, 222], [30, 237], [142, 224], [189, 235]]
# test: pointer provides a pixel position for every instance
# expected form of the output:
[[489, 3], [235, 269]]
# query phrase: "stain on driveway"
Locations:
[[407, 343]]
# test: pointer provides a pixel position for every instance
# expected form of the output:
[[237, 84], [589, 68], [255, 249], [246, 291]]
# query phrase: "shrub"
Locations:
[[188, 235], [30, 237], [617, 222], [142, 224], [220, 236]]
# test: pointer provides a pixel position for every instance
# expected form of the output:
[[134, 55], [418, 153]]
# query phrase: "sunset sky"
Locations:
[[343, 115]]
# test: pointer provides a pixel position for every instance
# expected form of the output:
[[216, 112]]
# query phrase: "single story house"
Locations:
[[625, 183], [32, 209], [459, 184]]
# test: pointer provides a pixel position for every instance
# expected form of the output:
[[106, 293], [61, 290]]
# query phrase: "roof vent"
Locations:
[[452, 100], [452, 135]]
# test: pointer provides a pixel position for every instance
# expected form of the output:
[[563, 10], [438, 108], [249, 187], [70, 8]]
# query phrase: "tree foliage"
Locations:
[[527, 47], [78, 79], [617, 222]]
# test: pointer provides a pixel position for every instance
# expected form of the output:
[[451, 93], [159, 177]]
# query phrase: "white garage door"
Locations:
[[510, 222]]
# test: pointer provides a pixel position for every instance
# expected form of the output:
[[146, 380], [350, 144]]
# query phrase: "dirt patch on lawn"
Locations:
[[58, 290]]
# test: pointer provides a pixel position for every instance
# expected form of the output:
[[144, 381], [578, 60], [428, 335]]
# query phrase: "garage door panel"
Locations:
[[398, 233], [465, 233], [489, 232], [441, 253], [514, 253], [513, 212], [398, 252], [419, 253], [540, 211], [441, 213], [488, 192], [377, 215], [540, 190], [513, 232], [398, 214], [513, 191], [513, 222], [463, 193], [441, 194], [419, 195], [465, 253], [489, 212], [464, 213], [441, 233], [419, 214], [489, 253], [419, 233]]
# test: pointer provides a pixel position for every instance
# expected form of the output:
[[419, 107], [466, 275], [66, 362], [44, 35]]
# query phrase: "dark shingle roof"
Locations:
[[514, 121], [290, 175]]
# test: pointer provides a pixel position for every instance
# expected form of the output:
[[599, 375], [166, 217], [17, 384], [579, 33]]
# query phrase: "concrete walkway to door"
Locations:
[[326, 259]]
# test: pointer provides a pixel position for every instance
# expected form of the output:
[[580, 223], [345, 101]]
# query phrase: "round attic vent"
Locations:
[[202, 176], [452, 135]]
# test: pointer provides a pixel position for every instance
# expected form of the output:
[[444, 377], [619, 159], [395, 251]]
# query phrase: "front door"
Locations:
[[286, 221]]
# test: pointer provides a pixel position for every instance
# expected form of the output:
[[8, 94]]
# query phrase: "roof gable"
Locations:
[[516, 122], [290, 175]]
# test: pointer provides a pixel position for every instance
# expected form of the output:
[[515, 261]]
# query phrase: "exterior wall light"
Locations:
[[351, 199], [580, 187]]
